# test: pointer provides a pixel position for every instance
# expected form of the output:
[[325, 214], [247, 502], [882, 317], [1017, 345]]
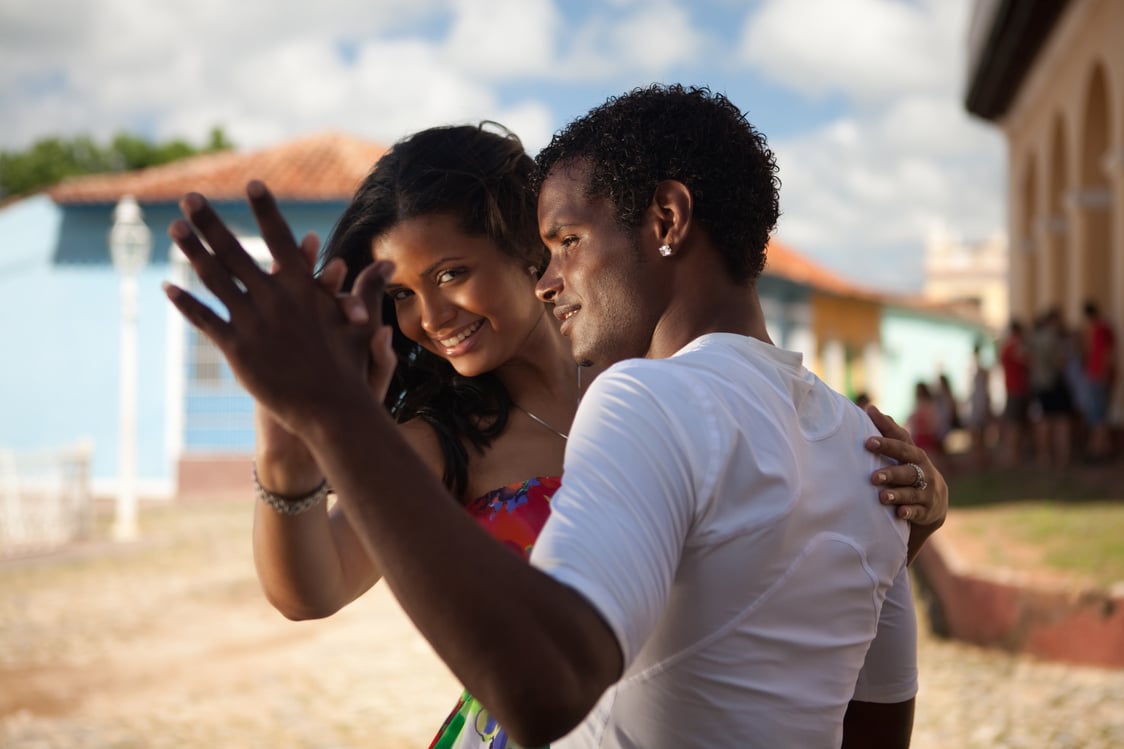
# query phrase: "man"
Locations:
[[714, 567], [1014, 357], [1100, 376]]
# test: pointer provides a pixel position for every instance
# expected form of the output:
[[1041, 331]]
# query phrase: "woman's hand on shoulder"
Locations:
[[920, 493]]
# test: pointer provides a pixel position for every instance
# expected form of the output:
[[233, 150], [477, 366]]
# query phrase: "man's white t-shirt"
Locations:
[[716, 509]]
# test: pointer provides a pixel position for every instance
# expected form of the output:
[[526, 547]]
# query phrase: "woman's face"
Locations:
[[459, 296]]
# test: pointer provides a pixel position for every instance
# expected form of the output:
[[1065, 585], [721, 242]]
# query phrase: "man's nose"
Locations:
[[550, 284]]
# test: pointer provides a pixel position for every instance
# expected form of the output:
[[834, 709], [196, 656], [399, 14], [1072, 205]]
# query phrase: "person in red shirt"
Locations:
[[1014, 357], [924, 422], [1100, 375]]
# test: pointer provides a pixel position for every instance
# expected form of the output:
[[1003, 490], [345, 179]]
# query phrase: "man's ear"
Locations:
[[670, 212]]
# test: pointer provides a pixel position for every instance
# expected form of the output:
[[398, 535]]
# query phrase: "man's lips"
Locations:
[[565, 312]]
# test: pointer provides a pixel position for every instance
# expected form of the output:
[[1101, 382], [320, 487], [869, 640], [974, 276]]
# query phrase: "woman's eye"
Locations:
[[446, 276], [568, 242], [399, 295]]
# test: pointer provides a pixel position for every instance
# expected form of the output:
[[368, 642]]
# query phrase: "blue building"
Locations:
[[60, 311]]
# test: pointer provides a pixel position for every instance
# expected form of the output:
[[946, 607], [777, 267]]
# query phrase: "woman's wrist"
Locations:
[[287, 477], [288, 504]]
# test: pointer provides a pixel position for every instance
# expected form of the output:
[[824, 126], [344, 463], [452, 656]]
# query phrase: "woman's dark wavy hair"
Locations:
[[483, 177], [635, 141]]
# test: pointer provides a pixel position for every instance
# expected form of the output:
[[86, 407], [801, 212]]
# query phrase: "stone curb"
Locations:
[[1005, 609]]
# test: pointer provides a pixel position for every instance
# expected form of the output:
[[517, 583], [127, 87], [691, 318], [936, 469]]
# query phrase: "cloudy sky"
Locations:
[[861, 99]]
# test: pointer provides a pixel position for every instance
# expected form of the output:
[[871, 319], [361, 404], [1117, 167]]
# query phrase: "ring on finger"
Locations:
[[920, 483]]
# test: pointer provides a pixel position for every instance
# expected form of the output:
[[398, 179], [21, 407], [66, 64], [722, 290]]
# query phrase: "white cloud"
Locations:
[[863, 49], [265, 69], [861, 192], [270, 69], [656, 37], [503, 38]]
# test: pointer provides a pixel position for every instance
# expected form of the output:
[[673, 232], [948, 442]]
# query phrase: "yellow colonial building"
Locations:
[[1050, 73]]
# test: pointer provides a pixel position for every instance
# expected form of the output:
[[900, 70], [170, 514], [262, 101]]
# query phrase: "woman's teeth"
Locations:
[[450, 342]]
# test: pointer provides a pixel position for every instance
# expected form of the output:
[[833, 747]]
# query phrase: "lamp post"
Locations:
[[130, 243]]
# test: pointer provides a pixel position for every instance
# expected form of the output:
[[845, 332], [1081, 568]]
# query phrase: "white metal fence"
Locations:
[[45, 499]]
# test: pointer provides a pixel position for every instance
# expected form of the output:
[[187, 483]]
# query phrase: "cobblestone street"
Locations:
[[168, 642]]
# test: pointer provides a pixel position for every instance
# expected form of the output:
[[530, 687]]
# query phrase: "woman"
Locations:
[[484, 387]]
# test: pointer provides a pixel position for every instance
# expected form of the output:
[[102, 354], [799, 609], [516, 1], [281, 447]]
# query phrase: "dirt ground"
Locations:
[[168, 642]]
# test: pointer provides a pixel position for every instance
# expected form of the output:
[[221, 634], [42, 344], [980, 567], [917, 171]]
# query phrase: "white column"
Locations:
[[125, 524], [130, 243]]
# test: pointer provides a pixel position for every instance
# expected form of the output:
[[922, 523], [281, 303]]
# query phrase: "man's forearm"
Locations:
[[529, 648]]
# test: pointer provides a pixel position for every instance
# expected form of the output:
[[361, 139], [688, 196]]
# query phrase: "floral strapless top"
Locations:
[[513, 515]]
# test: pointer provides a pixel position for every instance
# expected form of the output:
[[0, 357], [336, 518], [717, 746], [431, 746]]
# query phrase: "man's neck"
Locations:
[[709, 308]]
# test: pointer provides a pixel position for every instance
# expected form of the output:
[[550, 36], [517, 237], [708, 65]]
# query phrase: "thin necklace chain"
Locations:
[[543, 421]]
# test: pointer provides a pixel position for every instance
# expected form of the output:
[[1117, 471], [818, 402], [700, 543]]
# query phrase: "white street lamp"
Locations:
[[130, 243]]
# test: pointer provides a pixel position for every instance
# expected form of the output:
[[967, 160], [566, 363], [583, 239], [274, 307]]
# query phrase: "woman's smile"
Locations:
[[461, 341]]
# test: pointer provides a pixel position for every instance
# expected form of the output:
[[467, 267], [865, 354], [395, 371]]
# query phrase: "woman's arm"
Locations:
[[311, 565]]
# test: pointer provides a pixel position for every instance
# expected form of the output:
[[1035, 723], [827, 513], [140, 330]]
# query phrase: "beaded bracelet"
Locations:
[[285, 505]]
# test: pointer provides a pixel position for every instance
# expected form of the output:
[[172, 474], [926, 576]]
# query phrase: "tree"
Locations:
[[52, 158]]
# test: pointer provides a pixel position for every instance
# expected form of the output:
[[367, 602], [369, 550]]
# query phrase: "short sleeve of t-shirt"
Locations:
[[629, 494], [889, 673]]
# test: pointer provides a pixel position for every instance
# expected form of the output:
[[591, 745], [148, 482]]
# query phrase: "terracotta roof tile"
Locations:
[[783, 261], [324, 166]]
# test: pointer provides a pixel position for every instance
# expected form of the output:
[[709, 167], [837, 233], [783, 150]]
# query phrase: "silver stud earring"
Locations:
[[665, 250], [532, 270]]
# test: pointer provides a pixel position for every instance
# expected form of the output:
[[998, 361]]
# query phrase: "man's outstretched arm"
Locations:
[[531, 649]]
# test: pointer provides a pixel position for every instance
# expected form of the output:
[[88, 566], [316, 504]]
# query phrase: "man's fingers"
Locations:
[[224, 245], [198, 314], [383, 361], [332, 276], [274, 229], [214, 275], [310, 248], [370, 287]]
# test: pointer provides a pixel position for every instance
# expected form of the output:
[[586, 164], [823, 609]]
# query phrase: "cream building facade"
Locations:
[[970, 274], [1050, 74]]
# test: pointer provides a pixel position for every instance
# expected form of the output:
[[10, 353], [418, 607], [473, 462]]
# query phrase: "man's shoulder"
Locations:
[[701, 359]]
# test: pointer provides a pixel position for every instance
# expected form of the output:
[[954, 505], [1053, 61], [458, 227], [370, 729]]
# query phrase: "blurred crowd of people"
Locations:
[[1057, 385]]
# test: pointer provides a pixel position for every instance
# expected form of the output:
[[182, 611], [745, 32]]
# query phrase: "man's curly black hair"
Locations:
[[635, 141]]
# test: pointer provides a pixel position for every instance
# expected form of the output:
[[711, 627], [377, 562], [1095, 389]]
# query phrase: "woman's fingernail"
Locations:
[[881, 478], [889, 496], [874, 443]]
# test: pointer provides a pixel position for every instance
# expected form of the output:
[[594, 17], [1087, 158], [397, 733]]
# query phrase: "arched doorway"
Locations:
[[1094, 194]]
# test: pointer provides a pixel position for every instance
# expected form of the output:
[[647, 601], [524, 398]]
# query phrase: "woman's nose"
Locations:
[[436, 313]]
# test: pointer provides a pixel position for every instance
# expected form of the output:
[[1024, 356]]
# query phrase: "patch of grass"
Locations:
[[1082, 539], [1065, 521]]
